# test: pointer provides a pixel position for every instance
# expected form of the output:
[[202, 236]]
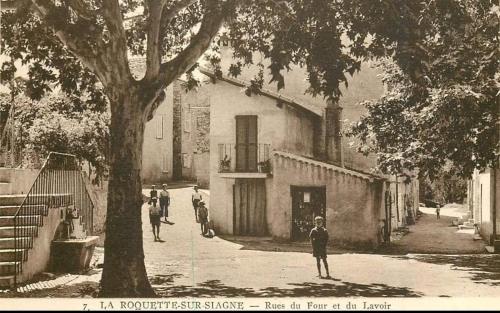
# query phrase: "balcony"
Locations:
[[244, 160]]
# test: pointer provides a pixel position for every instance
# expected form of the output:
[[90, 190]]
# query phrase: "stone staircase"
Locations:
[[9, 259], [14, 257]]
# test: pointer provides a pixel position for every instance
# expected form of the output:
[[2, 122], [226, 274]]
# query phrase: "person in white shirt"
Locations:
[[164, 202], [196, 198], [155, 218]]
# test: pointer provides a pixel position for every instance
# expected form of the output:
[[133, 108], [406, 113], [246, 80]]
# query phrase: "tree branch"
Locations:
[[75, 43], [153, 55], [171, 12], [116, 48], [210, 25], [81, 9]]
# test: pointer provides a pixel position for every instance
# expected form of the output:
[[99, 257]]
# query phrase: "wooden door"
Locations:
[[307, 203], [249, 216]]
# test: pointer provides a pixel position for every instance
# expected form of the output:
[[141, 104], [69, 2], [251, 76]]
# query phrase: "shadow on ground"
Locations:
[[272, 245], [484, 269], [215, 288]]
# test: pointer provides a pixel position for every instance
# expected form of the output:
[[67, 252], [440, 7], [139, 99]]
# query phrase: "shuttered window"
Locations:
[[159, 127], [246, 143]]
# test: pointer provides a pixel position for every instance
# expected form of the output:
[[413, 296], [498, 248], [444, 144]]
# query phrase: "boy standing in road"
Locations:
[[438, 211], [203, 217], [319, 240], [155, 218], [164, 202], [196, 198]]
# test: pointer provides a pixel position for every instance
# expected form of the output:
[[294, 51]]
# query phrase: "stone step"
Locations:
[[8, 231], [8, 243], [11, 199], [6, 281], [27, 210], [5, 188], [9, 255], [22, 220], [59, 199], [8, 268]]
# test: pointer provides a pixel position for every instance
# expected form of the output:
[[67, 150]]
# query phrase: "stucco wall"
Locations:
[[195, 138], [20, 180], [157, 152], [353, 203], [282, 128], [201, 164], [39, 256], [482, 201], [364, 85]]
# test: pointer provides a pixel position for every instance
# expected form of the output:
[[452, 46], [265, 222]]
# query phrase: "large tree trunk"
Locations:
[[124, 273]]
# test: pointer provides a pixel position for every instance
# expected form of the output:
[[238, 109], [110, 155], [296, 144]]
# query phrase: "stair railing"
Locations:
[[59, 184]]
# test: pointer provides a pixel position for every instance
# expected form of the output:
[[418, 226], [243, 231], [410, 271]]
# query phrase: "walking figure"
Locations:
[[438, 210], [155, 218], [203, 217], [319, 240], [196, 198], [164, 202]]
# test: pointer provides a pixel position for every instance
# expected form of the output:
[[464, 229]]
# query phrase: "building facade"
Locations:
[[483, 198], [276, 160], [270, 174]]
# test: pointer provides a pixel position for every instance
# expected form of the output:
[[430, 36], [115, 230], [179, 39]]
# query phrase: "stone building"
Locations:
[[176, 140], [483, 199], [278, 159], [275, 160]]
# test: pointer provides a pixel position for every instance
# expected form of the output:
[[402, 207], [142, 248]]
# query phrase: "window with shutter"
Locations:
[[246, 143], [159, 127]]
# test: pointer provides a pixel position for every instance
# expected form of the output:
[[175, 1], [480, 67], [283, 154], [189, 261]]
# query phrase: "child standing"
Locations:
[[164, 202], [203, 217], [319, 240], [195, 199], [155, 218], [438, 211]]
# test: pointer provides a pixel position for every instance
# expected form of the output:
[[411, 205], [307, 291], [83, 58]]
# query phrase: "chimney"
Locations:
[[333, 133]]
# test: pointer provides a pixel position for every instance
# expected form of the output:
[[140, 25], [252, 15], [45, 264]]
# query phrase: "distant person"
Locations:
[[164, 202], [153, 193], [155, 218], [438, 211], [196, 198], [203, 217], [319, 240]]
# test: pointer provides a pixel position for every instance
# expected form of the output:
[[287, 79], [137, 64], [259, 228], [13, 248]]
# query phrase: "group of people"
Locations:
[[156, 213], [318, 235]]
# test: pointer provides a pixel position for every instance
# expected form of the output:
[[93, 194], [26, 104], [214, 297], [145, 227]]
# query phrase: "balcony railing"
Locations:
[[244, 158]]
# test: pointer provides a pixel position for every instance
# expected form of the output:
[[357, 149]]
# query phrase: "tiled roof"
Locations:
[[328, 166]]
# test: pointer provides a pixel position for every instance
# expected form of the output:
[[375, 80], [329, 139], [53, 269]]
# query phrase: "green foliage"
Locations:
[[445, 189], [451, 118], [441, 80], [63, 124], [329, 38]]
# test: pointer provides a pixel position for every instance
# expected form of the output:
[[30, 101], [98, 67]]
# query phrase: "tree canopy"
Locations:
[[58, 122], [449, 123]]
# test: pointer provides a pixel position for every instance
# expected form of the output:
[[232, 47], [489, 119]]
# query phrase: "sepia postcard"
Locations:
[[270, 155]]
